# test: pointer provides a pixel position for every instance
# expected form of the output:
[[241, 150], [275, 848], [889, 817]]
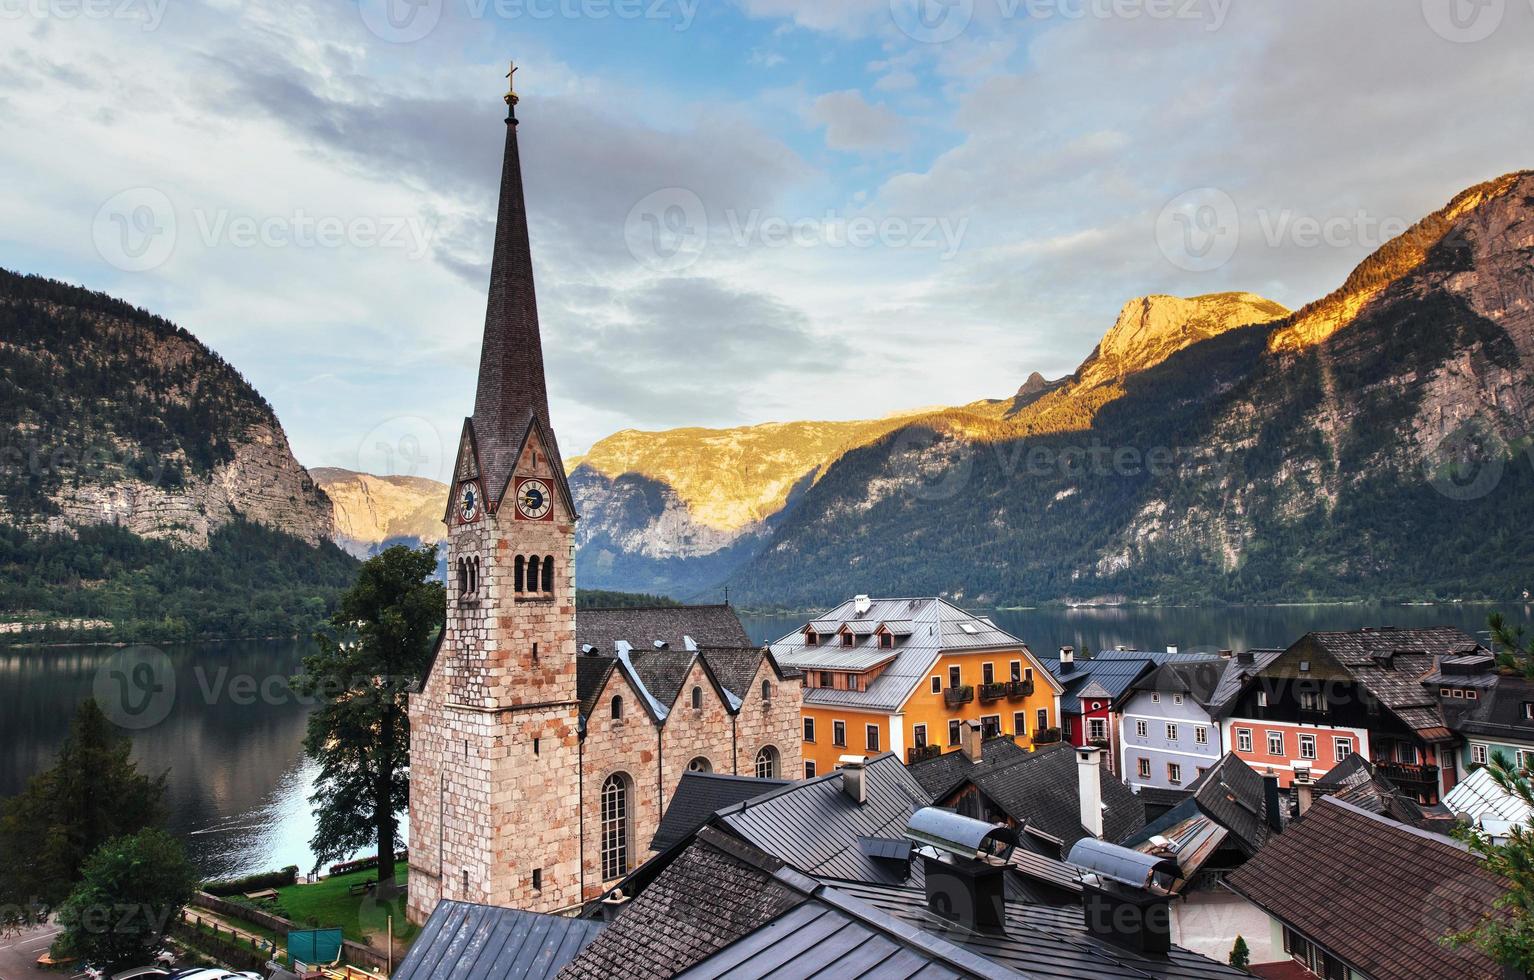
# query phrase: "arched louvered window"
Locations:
[[700, 764], [767, 763], [532, 574], [766, 690], [697, 697], [463, 576], [520, 575], [615, 827], [548, 573], [617, 708]]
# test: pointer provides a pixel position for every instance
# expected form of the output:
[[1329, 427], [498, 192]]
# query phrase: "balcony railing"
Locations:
[[1048, 736], [921, 753], [959, 695], [992, 692], [1020, 689], [1405, 772]]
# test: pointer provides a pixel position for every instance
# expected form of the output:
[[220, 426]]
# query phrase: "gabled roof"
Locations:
[[941, 775], [1197, 679], [1390, 665], [1043, 792], [1496, 714], [698, 796], [641, 628], [1375, 893], [1112, 676], [478, 942], [1233, 794], [1355, 780], [1236, 674], [936, 626]]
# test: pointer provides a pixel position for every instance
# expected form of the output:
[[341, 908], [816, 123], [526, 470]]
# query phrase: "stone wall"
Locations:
[[774, 722]]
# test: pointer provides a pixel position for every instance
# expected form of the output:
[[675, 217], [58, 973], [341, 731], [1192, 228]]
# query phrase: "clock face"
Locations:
[[468, 503], [534, 501]]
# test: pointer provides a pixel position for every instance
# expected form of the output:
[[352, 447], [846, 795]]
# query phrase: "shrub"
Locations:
[[253, 883]]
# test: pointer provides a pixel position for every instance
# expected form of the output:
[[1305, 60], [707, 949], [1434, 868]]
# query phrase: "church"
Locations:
[[545, 742]]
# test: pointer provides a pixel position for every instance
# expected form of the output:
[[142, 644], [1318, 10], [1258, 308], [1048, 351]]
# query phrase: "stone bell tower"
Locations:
[[495, 779]]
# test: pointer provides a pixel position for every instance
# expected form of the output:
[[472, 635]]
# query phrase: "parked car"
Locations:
[[142, 973]]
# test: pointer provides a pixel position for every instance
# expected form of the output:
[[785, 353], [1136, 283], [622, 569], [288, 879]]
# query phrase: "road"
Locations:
[[19, 953]]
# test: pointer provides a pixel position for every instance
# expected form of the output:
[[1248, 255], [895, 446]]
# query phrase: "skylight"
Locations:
[[969, 628]]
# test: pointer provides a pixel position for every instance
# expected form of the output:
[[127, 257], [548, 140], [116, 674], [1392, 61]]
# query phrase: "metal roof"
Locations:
[[1480, 797], [698, 796], [478, 942]]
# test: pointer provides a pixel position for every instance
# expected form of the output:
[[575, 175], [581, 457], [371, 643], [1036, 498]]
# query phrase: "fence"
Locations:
[[242, 951], [354, 953]]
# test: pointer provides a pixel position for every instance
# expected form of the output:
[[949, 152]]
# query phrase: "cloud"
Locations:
[[853, 124]]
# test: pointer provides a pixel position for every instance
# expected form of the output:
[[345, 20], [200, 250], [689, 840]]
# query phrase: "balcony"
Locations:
[[1048, 736], [955, 696], [1020, 689], [921, 753], [1404, 772], [992, 692]]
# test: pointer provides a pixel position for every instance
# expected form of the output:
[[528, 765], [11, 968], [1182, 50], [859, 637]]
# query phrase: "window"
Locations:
[[1155, 698], [955, 733], [1201, 735], [1445, 692], [1177, 699], [1525, 760], [1171, 732], [887, 641], [615, 827], [852, 683], [809, 769], [1097, 729], [1019, 723], [700, 764], [1017, 670], [548, 573], [1471, 694], [839, 733], [809, 729], [1528, 709], [937, 685], [990, 726], [1042, 720], [767, 763], [1142, 729], [871, 737], [811, 638], [766, 690], [919, 736], [1144, 768], [1243, 739], [1028, 673], [825, 679], [1307, 746], [1312, 701], [1262, 699], [1341, 748], [1275, 743], [847, 639], [520, 576], [1068, 725], [617, 708], [1478, 752], [537, 879], [1174, 773], [1406, 753], [697, 698], [987, 673], [533, 567], [955, 677]]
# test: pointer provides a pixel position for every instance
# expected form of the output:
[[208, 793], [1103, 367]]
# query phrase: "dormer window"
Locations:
[[848, 639], [887, 641], [811, 638]]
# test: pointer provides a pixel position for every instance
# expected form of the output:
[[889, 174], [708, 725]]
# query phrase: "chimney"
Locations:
[[1126, 895], [1245, 657], [1067, 659], [613, 904], [1306, 794], [854, 777], [972, 741], [861, 604], [966, 892], [1271, 804], [1089, 777]]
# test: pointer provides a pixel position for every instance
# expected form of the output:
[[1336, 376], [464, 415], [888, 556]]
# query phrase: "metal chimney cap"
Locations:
[[953, 833], [1125, 866]]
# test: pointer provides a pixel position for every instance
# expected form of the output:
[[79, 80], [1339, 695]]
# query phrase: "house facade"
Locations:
[[1491, 711], [905, 675], [1167, 734], [544, 748]]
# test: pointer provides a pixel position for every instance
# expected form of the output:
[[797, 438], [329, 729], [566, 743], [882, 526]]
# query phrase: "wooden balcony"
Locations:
[[992, 692], [1019, 689], [1404, 772], [959, 695], [921, 753]]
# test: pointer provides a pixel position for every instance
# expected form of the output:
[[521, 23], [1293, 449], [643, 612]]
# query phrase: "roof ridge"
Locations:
[[1427, 835]]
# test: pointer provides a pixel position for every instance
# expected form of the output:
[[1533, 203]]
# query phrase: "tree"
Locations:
[[1506, 933], [375, 653], [93, 793], [133, 888], [1240, 954], [1515, 653]]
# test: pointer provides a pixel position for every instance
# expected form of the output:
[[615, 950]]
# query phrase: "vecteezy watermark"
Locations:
[[940, 21], [406, 445], [89, 464], [138, 229], [1199, 230], [136, 688], [1359, 229], [1464, 21], [669, 230], [406, 21], [149, 13], [1468, 463]]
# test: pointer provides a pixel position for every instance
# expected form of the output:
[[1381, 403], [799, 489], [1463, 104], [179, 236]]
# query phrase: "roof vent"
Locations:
[[1171, 649], [861, 604], [1245, 657], [588, 649], [1125, 895], [662, 645]]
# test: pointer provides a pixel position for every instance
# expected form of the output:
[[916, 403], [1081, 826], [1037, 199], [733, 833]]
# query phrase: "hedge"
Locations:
[[362, 864], [253, 883]]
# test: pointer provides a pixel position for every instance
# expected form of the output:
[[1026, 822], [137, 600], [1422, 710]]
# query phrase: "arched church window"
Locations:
[[697, 697], [473, 576], [520, 574], [617, 708], [463, 576], [766, 690], [767, 763], [700, 764], [548, 573], [532, 574], [615, 826]]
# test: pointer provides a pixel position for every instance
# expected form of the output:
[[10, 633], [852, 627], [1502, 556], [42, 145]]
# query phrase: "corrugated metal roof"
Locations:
[[698, 796], [478, 942], [1480, 797]]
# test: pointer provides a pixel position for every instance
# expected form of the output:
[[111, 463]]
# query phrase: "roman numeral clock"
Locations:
[[470, 503], [535, 501]]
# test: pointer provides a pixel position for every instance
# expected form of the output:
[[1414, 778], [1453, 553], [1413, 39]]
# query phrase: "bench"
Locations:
[[362, 887], [264, 895]]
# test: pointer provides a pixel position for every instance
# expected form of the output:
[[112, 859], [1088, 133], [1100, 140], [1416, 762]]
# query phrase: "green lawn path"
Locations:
[[330, 905]]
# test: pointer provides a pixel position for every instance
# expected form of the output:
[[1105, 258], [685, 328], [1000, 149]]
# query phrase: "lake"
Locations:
[[224, 726]]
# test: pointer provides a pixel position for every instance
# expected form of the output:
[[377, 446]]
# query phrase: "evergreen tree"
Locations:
[[1240, 954], [93, 794], [133, 889], [374, 654]]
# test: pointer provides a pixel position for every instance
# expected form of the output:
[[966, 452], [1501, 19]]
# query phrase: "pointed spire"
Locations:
[[512, 390]]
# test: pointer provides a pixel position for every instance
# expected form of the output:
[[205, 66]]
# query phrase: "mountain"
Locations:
[[132, 451], [1372, 444], [373, 512], [679, 511]]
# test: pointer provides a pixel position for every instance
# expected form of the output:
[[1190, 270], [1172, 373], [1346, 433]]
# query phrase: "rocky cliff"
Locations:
[[372, 511], [113, 416]]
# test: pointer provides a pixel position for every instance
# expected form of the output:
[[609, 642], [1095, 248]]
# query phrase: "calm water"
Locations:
[[221, 722]]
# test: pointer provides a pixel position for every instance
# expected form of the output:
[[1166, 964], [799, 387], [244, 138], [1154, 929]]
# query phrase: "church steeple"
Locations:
[[513, 394]]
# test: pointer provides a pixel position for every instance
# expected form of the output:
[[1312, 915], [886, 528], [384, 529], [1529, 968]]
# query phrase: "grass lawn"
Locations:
[[331, 905]]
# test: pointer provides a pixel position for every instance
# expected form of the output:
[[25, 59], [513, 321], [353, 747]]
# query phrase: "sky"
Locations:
[[742, 211]]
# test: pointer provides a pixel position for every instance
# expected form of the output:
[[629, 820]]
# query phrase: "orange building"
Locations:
[[903, 675]]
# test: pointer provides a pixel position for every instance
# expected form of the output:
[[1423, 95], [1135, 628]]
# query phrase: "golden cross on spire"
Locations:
[[511, 85]]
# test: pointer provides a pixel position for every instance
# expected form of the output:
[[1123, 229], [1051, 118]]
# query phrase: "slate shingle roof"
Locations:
[[942, 775], [1355, 780], [1497, 713], [590, 677], [478, 942], [698, 796], [1391, 663], [662, 672], [1374, 892], [705, 900], [1197, 679], [1235, 677], [640, 628], [1234, 795], [1042, 790]]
